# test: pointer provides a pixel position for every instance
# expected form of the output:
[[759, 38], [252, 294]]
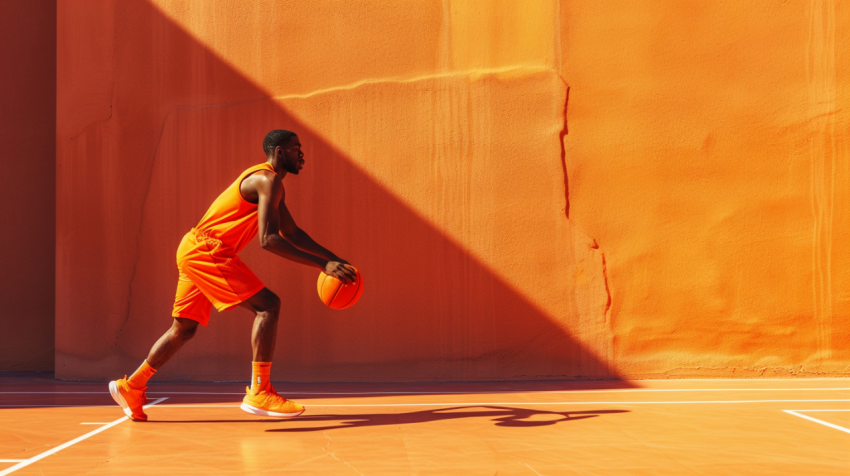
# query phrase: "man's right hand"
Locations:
[[341, 271]]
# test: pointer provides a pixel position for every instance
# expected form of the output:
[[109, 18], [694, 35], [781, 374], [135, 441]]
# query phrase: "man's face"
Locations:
[[293, 158]]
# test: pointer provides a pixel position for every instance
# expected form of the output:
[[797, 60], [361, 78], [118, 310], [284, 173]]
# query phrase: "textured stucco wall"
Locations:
[[708, 156], [27, 183], [531, 190]]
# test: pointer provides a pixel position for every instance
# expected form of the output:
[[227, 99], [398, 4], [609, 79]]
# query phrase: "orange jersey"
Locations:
[[231, 219], [210, 272]]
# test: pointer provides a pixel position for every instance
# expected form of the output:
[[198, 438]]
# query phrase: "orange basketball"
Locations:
[[336, 295]]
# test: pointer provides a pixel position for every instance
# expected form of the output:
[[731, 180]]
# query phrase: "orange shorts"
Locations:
[[210, 274]]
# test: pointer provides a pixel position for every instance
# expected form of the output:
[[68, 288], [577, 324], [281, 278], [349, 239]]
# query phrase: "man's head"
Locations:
[[285, 148]]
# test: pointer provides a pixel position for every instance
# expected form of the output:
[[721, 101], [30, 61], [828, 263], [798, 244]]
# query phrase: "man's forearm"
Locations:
[[283, 248], [302, 241]]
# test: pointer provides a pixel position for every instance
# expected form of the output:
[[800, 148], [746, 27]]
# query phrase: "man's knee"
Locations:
[[265, 302], [184, 328]]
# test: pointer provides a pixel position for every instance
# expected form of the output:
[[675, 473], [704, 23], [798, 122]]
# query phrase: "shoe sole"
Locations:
[[119, 399], [258, 411]]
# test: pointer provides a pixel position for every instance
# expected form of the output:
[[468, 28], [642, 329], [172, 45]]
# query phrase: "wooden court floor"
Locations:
[[652, 427]]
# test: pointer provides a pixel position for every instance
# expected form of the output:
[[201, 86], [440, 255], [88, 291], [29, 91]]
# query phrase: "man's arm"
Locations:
[[300, 238], [270, 195]]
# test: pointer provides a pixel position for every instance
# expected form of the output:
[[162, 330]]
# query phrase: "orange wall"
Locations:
[[708, 155], [436, 156], [27, 181]]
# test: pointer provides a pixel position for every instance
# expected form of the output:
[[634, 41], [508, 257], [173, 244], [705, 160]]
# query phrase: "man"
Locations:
[[212, 274]]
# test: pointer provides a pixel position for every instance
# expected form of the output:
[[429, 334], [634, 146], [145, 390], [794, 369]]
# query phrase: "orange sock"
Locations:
[[260, 375], [141, 376]]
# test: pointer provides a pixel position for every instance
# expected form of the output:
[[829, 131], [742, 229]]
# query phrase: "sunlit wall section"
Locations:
[[708, 155]]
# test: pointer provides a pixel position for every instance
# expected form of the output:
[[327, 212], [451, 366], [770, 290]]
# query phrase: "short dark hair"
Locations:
[[275, 138]]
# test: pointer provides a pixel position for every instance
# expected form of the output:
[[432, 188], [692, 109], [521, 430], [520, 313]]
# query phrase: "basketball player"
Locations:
[[212, 274]]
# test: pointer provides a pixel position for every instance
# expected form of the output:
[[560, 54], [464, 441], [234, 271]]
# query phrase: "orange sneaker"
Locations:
[[131, 399], [268, 403]]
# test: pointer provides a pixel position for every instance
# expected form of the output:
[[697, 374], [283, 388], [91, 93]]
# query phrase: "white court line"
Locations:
[[813, 379], [831, 425], [389, 393], [70, 393], [484, 404], [189, 405], [529, 467], [11, 460], [502, 392], [61, 447], [61, 393], [52, 405]]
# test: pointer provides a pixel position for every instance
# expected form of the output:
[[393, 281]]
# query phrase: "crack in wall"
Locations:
[[583, 299], [561, 137], [149, 182], [470, 73], [473, 74], [607, 289]]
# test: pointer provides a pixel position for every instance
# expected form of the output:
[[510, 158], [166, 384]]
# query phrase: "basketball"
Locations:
[[336, 295]]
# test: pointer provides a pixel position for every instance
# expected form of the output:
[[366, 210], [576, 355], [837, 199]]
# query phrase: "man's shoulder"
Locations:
[[267, 180], [265, 173], [262, 179], [261, 175]]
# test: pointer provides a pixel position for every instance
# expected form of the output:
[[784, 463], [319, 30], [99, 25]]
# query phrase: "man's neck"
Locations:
[[277, 166]]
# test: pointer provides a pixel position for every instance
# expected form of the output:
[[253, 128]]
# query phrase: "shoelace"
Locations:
[[272, 395]]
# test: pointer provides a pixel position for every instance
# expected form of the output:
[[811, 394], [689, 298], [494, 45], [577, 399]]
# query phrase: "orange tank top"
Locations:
[[231, 219]]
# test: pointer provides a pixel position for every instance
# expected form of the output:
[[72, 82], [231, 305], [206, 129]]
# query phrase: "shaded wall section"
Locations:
[[708, 155], [433, 164], [27, 183]]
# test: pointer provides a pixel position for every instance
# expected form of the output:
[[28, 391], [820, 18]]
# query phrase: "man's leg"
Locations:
[[130, 392], [261, 398], [181, 331], [266, 305]]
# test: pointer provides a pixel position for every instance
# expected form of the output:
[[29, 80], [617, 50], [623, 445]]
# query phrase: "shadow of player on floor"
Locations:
[[503, 416]]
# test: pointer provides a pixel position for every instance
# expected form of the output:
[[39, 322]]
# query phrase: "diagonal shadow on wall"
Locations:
[[182, 124]]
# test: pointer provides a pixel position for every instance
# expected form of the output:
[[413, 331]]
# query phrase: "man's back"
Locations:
[[231, 219]]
